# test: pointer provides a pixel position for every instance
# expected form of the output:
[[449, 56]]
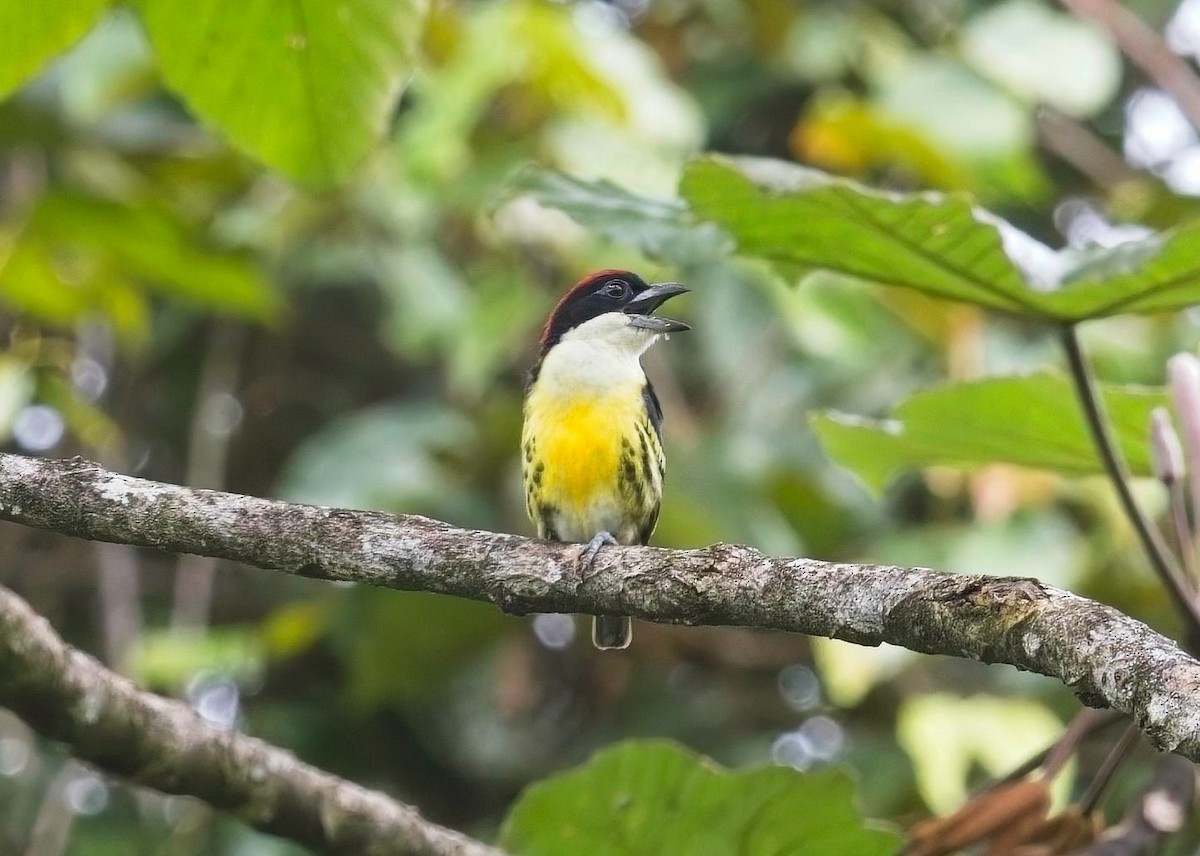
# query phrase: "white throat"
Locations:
[[603, 353]]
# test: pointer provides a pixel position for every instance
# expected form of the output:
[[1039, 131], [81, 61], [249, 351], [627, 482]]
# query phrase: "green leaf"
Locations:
[[655, 797], [33, 33], [805, 219], [306, 86], [1158, 274], [659, 229], [939, 244], [169, 659], [1033, 421]]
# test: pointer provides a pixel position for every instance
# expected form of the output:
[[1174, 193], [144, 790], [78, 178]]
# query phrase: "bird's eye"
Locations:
[[615, 288]]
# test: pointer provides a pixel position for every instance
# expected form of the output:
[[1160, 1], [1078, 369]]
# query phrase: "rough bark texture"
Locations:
[[1106, 657], [66, 695]]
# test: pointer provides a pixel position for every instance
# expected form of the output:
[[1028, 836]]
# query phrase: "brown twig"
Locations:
[[1147, 50], [67, 695], [208, 452], [1079, 146], [1112, 762]]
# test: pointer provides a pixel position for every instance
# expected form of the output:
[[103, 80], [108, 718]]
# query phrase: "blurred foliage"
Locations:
[[167, 660], [304, 250], [73, 255], [946, 736]]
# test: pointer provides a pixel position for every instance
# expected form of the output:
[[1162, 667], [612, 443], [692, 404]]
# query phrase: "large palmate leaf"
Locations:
[[805, 219], [33, 33], [939, 244], [654, 798], [1157, 274], [1033, 421], [307, 86]]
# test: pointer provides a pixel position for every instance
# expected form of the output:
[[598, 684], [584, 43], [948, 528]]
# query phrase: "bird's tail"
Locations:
[[612, 631]]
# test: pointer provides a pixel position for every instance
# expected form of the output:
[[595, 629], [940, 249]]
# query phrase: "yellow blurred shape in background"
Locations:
[[848, 672], [848, 136], [946, 736]]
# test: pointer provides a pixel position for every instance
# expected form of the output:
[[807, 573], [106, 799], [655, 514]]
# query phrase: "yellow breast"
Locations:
[[576, 444]]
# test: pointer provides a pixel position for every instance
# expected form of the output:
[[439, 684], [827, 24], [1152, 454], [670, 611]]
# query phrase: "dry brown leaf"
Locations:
[[1022, 803]]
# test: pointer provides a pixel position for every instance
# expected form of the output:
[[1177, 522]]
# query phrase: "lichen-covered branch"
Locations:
[[67, 695], [1106, 657]]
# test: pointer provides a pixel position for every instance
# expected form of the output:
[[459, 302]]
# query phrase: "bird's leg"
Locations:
[[588, 551]]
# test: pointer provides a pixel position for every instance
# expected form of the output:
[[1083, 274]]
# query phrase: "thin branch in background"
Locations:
[[75, 789], [120, 601], [54, 822], [1165, 805], [67, 695], [1114, 464], [215, 415], [1147, 50], [1112, 762], [1062, 750], [1103, 722], [21, 180], [118, 567], [1078, 145]]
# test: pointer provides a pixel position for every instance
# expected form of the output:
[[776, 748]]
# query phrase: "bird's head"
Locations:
[[612, 308]]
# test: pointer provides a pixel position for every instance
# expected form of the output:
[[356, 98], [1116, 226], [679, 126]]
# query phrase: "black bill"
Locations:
[[640, 308]]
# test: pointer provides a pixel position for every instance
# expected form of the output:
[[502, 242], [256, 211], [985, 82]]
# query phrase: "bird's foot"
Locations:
[[588, 551]]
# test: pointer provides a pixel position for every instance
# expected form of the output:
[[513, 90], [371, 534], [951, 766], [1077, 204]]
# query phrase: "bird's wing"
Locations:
[[647, 527], [653, 409], [653, 457]]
